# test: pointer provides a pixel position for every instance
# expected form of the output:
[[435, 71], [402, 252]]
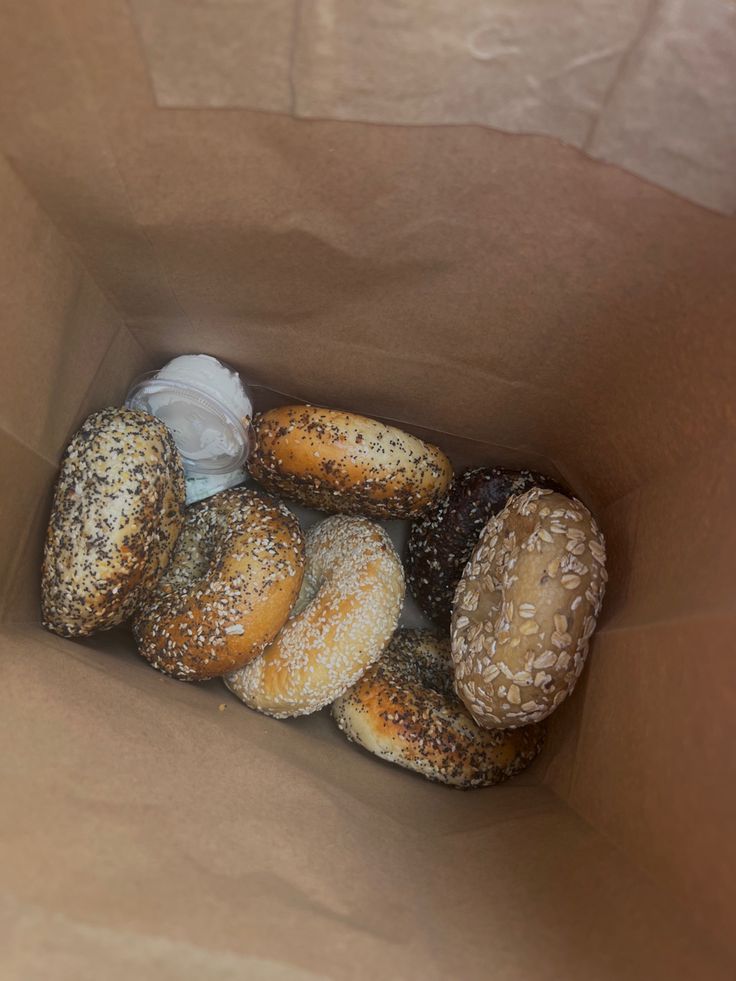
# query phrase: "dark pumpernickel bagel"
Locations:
[[441, 542]]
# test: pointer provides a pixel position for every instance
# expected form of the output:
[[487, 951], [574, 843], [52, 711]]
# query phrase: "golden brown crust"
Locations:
[[348, 609], [117, 512], [526, 607], [232, 581], [346, 463], [405, 710]]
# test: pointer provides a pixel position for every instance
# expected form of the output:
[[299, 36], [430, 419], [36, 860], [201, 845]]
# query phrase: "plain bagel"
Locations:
[[525, 609], [228, 590], [346, 463], [404, 709], [348, 609], [117, 511]]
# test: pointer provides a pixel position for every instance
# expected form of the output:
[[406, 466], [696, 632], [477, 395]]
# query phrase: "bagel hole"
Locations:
[[197, 551], [307, 594]]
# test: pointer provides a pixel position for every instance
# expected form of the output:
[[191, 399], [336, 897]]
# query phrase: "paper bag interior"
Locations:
[[508, 296]]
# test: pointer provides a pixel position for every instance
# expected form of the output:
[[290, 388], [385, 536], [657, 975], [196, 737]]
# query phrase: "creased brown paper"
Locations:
[[650, 86]]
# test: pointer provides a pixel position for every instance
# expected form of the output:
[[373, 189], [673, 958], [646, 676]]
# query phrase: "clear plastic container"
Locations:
[[208, 410]]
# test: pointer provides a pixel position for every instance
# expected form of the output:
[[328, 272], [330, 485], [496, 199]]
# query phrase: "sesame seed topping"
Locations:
[[347, 610], [233, 578]]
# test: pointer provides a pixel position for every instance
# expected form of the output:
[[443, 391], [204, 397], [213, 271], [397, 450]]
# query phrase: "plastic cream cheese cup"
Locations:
[[208, 410]]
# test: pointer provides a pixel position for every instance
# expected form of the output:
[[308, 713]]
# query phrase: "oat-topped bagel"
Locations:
[[405, 710], [117, 511], [231, 582], [346, 463], [440, 542], [526, 607], [347, 611]]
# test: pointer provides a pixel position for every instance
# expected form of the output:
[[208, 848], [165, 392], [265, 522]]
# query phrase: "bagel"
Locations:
[[228, 590], [117, 510], [348, 609], [342, 462], [526, 607], [405, 710], [440, 543]]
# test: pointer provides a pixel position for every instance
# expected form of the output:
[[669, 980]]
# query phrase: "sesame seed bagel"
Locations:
[[405, 710], [348, 609], [342, 462], [525, 609], [233, 578], [440, 542], [117, 511]]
